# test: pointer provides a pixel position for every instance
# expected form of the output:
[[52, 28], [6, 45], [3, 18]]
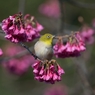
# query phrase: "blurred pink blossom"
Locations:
[[19, 29], [87, 34], [50, 8], [72, 48], [20, 65], [57, 89], [1, 52]]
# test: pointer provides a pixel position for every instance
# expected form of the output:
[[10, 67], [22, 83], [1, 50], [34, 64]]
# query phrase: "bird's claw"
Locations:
[[52, 61]]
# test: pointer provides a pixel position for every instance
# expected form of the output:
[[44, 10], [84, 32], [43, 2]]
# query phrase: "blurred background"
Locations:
[[58, 17]]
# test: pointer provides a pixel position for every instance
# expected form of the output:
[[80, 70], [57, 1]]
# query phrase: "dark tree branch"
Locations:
[[23, 45]]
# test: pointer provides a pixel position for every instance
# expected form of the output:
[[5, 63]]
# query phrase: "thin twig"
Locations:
[[20, 54], [23, 45], [62, 17], [0, 24], [2, 34], [1, 31], [21, 6]]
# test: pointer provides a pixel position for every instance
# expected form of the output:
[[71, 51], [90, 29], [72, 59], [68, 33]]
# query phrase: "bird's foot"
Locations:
[[52, 61]]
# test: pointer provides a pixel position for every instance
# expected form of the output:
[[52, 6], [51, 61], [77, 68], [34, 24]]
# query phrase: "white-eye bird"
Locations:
[[43, 47]]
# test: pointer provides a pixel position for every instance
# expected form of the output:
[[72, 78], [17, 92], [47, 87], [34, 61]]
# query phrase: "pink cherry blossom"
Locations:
[[19, 29], [32, 27], [60, 70], [14, 28], [50, 8], [47, 72], [71, 48]]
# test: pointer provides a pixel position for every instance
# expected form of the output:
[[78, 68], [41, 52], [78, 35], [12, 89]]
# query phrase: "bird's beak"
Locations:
[[53, 36]]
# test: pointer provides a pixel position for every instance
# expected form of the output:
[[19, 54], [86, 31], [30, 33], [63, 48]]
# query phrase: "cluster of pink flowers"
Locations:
[[17, 66], [50, 8], [48, 72], [24, 29], [87, 35], [19, 29], [72, 48]]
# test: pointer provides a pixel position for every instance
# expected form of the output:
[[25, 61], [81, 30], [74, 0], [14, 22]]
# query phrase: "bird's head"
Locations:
[[47, 38]]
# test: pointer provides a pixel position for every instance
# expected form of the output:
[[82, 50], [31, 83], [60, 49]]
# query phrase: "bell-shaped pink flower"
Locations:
[[60, 70], [19, 29], [47, 72], [32, 27], [14, 28], [72, 48]]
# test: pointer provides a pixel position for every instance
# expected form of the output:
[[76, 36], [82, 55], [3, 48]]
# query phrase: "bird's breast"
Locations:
[[43, 51]]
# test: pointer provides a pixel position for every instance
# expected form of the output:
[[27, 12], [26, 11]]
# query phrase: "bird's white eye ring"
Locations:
[[48, 36]]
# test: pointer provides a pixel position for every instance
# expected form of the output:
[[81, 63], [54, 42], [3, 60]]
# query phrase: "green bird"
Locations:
[[43, 47]]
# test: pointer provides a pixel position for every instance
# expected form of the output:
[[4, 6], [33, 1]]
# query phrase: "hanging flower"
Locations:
[[47, 71], [72, 48], [32, 27], [14, 28], [19, 29]]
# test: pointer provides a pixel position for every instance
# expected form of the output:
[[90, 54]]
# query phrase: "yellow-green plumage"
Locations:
[[43, 47]]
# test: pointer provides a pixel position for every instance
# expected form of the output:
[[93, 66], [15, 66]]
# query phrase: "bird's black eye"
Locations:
[[48, 36]]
